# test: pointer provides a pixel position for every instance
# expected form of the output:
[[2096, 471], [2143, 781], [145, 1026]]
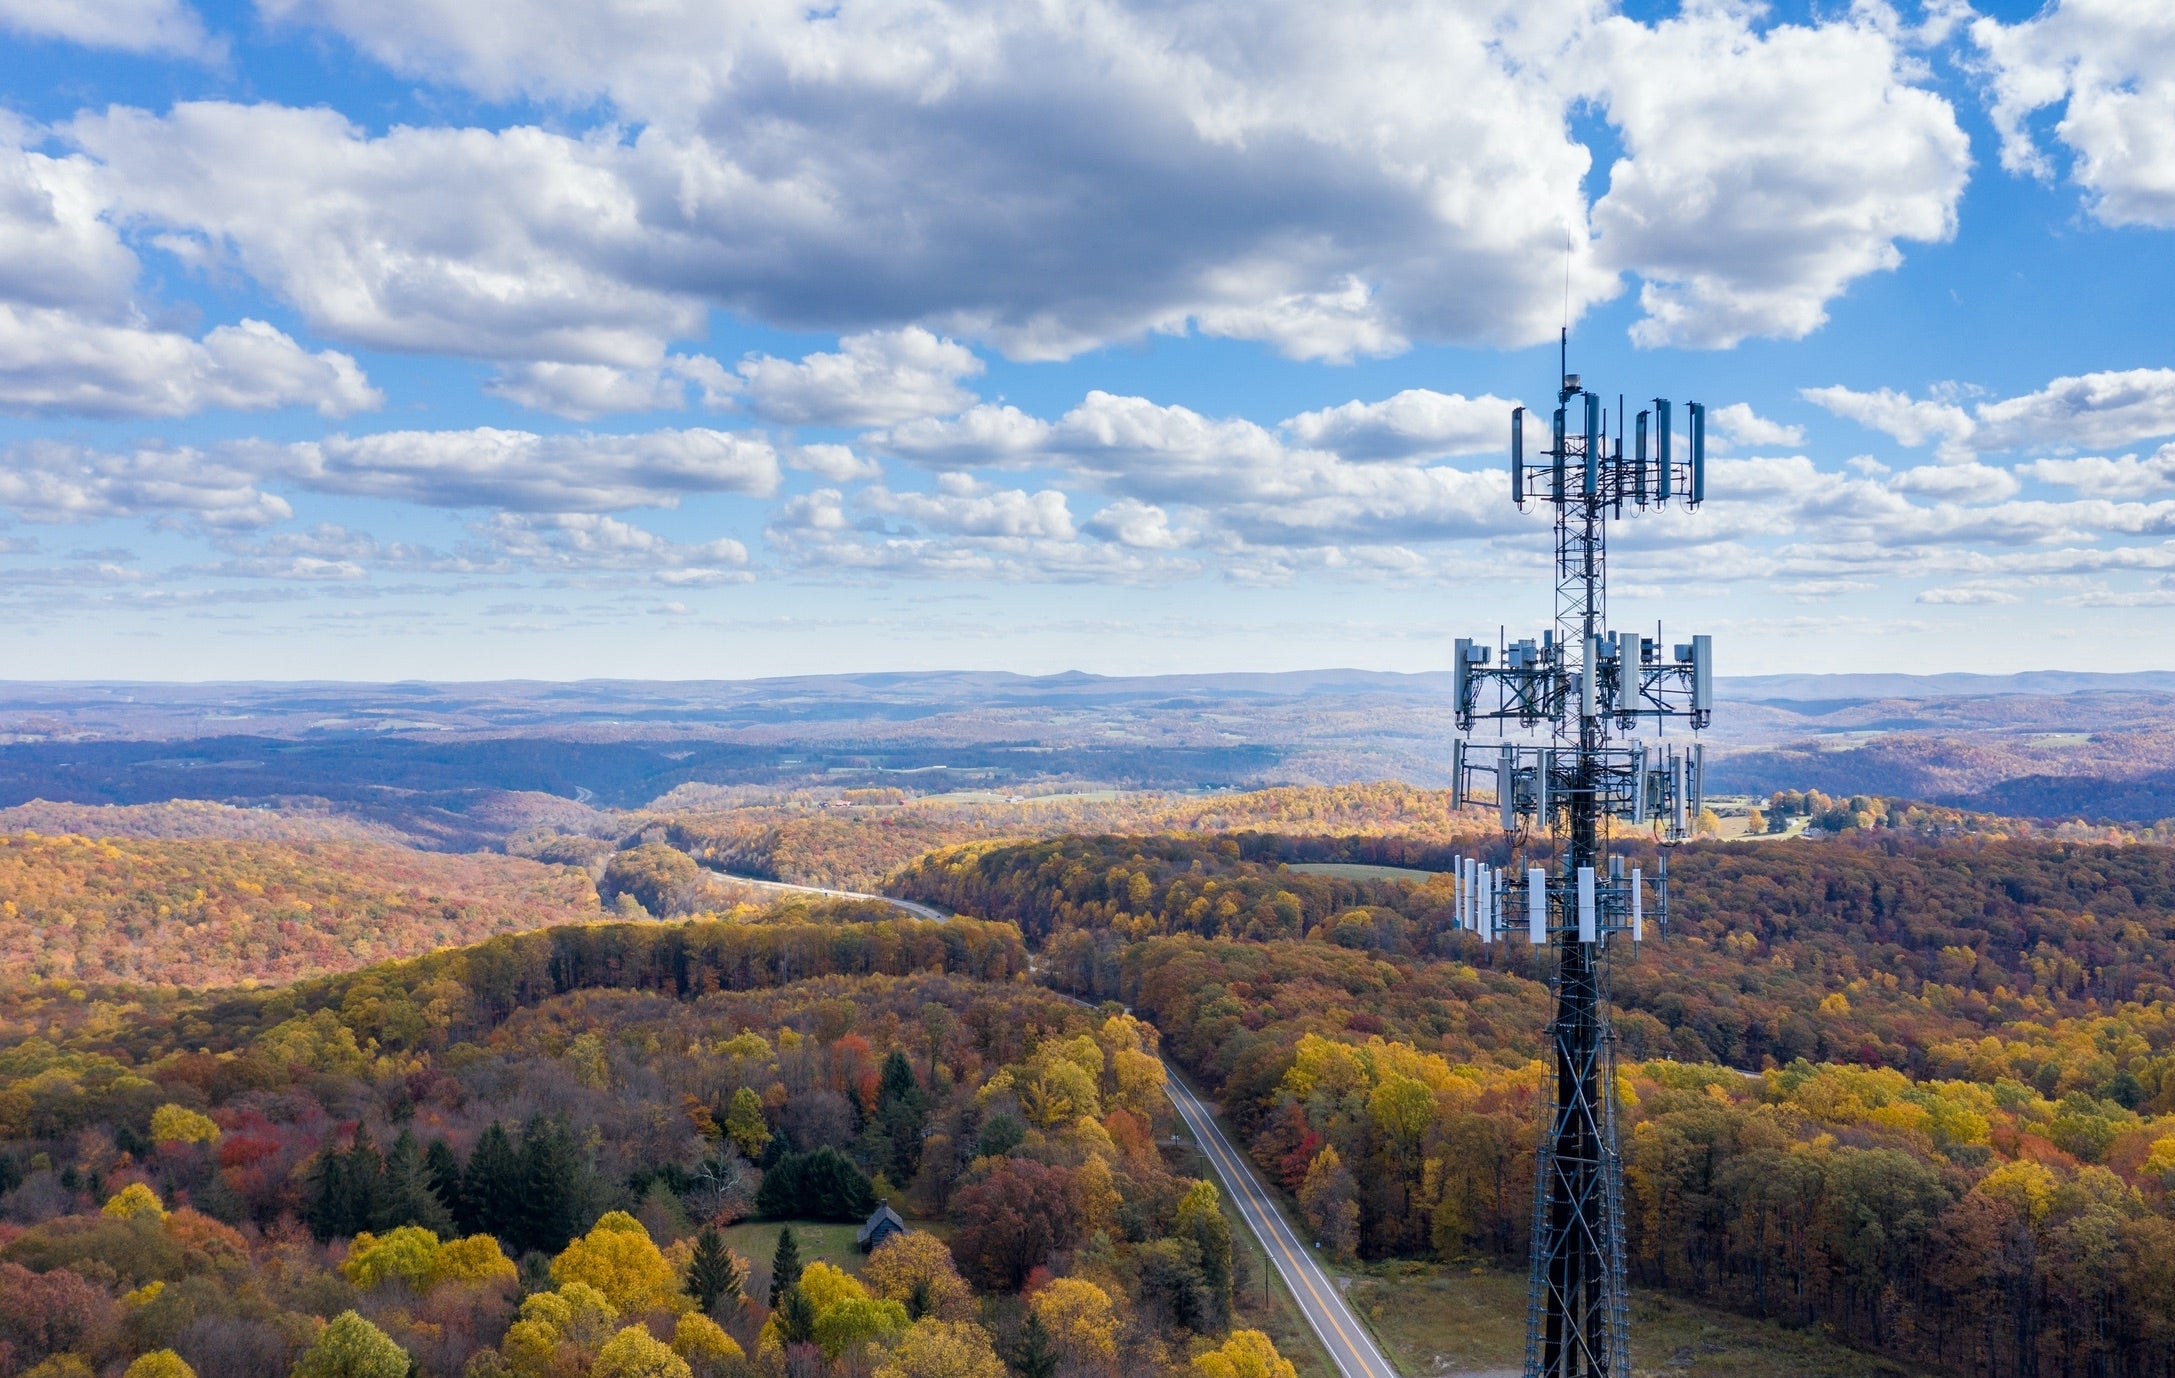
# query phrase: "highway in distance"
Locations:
[[919, 911], [1350, 1347]]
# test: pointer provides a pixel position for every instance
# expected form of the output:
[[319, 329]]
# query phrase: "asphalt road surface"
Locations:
[[1350, 1347], [919, 911]]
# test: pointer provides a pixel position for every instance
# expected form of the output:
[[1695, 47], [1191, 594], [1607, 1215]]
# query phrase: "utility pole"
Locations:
[[1560, 791]]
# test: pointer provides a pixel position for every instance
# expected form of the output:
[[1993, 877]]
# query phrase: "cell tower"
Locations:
[[1578, 695]]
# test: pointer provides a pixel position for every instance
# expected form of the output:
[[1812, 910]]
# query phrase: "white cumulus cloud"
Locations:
[[1414, 424], [2109, 66], [51, 481], [873, 379], [131, 26], [521, 471], [580, 543], [1765, 172], [1049, 179], [1743, 426], [2125, 476], [2093, 410], [55, 362]]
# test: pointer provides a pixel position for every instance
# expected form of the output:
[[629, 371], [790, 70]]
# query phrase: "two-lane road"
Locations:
[[919, 911], [1350, 1347]]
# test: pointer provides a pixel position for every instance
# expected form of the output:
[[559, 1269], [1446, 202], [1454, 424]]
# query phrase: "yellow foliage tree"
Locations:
[[1080, 1320], [475, 1258], [351, 1347], [1095, 1187], [915, 1264], [1058, 1090], [408, 1253], [618, 1258], [1140, 1081], [826, 1286], [852, 1321], [943, 1349], [635, 1353], [159, 1363], [178, 1124], [576, 1315], [1247, 1354], [133, 1200], [705, 1345]]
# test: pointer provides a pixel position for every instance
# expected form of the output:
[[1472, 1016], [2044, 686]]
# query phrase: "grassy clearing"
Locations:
[[1435, 1320], [756, 1241], [1352, 870]]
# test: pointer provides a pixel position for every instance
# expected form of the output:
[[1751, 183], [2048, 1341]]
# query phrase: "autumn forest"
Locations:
[[305, 1102]]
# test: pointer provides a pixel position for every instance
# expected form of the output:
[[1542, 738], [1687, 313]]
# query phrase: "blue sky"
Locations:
[[412, 338]]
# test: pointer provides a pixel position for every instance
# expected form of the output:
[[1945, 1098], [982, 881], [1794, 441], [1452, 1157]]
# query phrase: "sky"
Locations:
[[387, 339]]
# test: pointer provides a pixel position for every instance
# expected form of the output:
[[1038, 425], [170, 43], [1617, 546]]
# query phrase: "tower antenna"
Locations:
[[1567, 282], [1577, 688]]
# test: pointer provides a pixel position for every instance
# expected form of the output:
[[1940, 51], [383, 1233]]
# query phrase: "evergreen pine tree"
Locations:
[[327, 1209], [1034, 1356], [555, 1185], [796, 1316], [404, 1194], [491, 1187], [785, 1265], [344, 1188], [712, 1273], [443, 1167], [901, 1112], [365, 1178]]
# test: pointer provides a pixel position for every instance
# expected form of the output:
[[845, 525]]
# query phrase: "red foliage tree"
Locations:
[[1012, 1221]]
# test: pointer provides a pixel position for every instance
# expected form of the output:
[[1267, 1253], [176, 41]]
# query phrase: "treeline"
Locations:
[[1139, 887], [542, 1176], [855, 843], [1890, 950]]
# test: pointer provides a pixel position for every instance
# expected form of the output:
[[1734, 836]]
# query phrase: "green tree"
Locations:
[[344, 1188], [902, 1111], [745, 1125], [1034, 1356], [351, 1347], [1200, 1218], [443, 1167], [405, 1195], [785, 1265], [796, 1316], [824, 1184], [491, 1187], [556, 1185], [1172, 1284], [712, 1273]]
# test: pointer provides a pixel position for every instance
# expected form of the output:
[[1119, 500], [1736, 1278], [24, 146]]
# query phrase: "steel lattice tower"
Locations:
[[1580, 687]]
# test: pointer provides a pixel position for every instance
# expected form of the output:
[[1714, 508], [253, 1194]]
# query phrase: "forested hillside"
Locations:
[[1917, 1088], [856, 840], [1921, 1094], [526, 1158], [211, 911]]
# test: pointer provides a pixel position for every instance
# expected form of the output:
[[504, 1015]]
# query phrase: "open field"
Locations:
[[757, 1240], [1438, 1320]]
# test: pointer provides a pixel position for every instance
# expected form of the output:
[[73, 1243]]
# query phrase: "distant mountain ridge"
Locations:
[[337, 696]]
